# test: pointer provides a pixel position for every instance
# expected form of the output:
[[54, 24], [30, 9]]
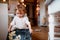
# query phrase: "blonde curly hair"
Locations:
[[21, 7]]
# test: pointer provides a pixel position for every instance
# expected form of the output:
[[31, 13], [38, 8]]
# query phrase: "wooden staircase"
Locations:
[[54, 26], [57, 27], [57, 33]]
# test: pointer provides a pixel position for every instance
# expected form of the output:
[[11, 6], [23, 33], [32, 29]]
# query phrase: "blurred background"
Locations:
[[44, 16]]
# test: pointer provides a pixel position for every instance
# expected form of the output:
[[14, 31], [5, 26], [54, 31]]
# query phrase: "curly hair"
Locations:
[[21, 7]]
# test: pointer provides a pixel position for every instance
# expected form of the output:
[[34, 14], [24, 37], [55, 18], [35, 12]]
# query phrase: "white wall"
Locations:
[[3, 21], [54, 6], [12, 6], [42, 12], [51, 27]]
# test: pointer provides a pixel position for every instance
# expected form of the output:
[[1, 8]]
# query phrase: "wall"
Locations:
[[3, 21], [52, 8], [42, 11], [12, 6], [11, 12]]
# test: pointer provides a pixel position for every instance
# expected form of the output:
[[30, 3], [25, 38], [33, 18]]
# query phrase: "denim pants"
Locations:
[[24, 33]]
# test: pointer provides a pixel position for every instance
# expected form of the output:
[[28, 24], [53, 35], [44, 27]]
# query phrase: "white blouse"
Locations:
[[20, 23]]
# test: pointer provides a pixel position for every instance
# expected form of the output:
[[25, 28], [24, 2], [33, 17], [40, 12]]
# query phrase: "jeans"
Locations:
[[24, 33]]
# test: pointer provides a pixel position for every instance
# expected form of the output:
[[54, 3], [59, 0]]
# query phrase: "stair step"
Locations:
[[57, 34], [57, 26], [56, 38], [56, 29]]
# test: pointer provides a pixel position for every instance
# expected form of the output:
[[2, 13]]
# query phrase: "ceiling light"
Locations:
[[4, 0], [22, 0]]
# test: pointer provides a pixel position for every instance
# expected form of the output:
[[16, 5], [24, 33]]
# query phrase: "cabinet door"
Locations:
[[3, 21]]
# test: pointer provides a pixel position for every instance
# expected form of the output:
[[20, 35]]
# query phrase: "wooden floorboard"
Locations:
[[40, 35]]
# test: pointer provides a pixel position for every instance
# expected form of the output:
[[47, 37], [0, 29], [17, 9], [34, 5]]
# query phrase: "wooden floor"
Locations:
[[40, 33]]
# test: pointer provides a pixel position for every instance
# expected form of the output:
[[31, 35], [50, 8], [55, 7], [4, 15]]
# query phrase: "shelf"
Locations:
[[11, 15]]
